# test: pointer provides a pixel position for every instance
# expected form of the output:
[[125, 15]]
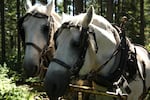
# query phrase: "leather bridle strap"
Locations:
[[61, 63], [37, 15], [34, 45], [84, 43]]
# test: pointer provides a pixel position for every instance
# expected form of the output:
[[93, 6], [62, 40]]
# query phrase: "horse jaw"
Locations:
[[28, 4], [50, 7], [88, 17]]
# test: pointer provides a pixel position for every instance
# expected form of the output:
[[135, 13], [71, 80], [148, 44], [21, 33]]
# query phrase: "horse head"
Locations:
[[78, 43], [37, 28]]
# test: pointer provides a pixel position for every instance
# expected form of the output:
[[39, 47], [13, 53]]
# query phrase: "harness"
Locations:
[[125, 72], [47, 52], [84, 43]]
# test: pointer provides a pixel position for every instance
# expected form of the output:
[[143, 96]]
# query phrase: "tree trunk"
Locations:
[[65, 6], [109, 13], [100, 9], [78, 6], [3, 31], [118, 13], [19, 51], [56, 6], [84, 5], [73, 7], [33, 1], [44, 1], [142, 37]]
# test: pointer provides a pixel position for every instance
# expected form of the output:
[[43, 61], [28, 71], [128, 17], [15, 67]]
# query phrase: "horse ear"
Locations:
[[50, 7], [65, 17], [28, 4], [88, 17]]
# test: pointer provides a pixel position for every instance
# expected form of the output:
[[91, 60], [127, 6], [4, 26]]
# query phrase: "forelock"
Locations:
[[39, 8], [77, 19]]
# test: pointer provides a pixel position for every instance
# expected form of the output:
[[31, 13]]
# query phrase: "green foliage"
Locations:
[[148, 96], [147, 45], [9, 90], [11, 35], [147, 22], [33, 79]]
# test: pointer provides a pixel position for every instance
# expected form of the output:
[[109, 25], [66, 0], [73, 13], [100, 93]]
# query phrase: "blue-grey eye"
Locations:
[[45, 28], [75, 43]]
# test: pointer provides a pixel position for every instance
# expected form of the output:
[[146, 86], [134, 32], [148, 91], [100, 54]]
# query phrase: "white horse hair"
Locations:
[[48, 9], [100, 25], [108, 41]]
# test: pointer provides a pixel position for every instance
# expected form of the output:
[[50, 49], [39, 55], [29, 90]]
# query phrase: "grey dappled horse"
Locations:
[[37, 28], [94, 49]]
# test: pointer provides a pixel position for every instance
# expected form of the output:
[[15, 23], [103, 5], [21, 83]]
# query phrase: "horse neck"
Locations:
[[107, 44], [56, 24], [57, 20]]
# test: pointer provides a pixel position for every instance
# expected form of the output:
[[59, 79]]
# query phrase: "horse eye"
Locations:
[[45, 28], [75, 43]]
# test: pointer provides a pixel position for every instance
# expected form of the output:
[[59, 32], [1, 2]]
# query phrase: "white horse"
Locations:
[[88, 45], [37, 29]]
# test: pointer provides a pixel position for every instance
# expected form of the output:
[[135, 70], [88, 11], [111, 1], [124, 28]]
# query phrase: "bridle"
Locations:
[[84, 41], [21, 29], [119, 76], [84, 44], [50, 28]]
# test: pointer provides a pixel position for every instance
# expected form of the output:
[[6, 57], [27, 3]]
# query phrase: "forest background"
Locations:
[[12, 51]]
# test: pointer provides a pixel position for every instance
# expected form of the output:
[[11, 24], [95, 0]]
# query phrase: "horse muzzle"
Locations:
[[56, 80], [31, 63]]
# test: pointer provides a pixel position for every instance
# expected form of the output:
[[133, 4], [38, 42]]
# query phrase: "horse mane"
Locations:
[[38, 7], [103, 23], [76, 20], [98, 21], [41, 8]]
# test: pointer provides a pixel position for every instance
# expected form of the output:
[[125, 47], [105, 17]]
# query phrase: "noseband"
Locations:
[[49, 27], [84, 44]]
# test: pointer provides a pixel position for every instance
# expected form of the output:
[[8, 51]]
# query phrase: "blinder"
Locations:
[[67, 25]]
